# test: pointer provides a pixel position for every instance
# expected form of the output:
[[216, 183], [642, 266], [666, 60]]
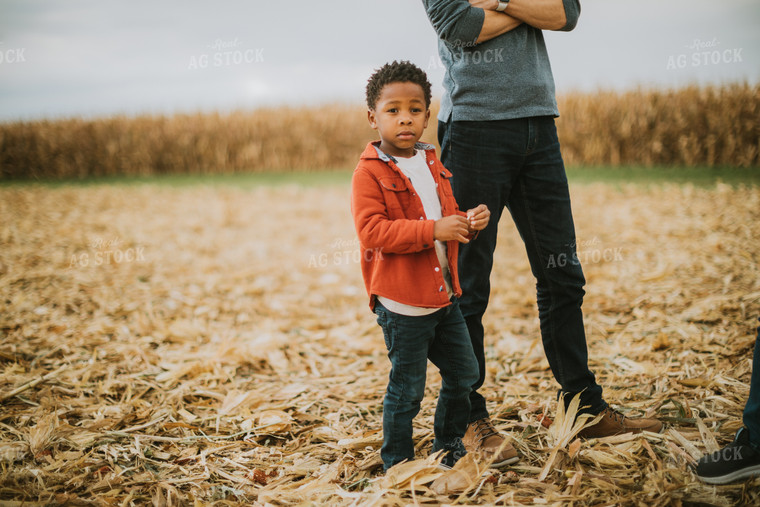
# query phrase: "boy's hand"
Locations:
[[478, 218], [451, 228]]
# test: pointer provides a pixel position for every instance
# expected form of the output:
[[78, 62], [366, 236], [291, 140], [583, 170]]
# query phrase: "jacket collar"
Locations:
[[373, 151]]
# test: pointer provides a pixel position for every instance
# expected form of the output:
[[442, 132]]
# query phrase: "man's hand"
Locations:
[[452, 228], [478, 217], [486, 5], [494, 23], [541, 14]]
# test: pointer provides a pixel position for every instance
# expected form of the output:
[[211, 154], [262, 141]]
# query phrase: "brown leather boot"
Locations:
[[485, 443], [615, 423]]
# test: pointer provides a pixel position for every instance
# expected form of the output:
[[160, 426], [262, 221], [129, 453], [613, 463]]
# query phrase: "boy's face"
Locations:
[[400, 117]]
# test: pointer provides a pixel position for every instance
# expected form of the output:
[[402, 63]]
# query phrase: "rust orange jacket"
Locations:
[[398, 258]]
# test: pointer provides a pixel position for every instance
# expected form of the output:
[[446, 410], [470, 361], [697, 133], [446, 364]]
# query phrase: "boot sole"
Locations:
[[744, 473]]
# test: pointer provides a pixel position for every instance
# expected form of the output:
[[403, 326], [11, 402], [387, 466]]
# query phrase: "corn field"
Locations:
[[708, 126], [690, 127]]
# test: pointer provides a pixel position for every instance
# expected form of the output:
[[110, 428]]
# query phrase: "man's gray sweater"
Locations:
[[503, 78]]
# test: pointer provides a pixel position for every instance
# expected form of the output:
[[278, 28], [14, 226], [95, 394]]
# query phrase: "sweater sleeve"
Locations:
[[373, 227], [572, 13], [455, 21]]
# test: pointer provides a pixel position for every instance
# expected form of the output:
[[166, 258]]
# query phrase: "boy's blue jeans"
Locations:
[[411, 341], [751, 417], [517, 164]]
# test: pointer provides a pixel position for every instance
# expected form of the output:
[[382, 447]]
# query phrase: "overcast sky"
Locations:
[[100, 57]]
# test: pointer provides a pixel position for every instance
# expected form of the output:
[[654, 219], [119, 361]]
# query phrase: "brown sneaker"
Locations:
[[485, 443], [615, 423]]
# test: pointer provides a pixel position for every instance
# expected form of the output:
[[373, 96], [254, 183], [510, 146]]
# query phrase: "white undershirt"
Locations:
[[416, 169]]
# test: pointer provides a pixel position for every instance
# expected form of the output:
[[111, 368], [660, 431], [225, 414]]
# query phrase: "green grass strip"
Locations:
[[700, 176]]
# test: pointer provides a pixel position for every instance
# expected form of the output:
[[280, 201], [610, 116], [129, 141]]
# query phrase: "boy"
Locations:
[[409, 228]]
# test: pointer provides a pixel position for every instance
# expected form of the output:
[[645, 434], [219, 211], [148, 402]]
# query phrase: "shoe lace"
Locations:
[[615, 415], [484, 428]]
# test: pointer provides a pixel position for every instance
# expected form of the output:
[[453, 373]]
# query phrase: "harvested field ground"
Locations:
[[213, 345]]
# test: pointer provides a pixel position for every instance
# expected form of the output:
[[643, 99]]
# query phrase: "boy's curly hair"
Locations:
[[396, 72]]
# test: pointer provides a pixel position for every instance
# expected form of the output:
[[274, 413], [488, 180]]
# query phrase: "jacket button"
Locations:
[[440, 289], [422, 218], [394, 185], [425, 245], [437, 269], [431, 162]]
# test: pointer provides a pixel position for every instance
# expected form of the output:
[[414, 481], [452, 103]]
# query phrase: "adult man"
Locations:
[[497, 135], [741, 458]]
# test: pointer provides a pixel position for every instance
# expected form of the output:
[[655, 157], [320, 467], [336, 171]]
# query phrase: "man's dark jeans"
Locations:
[[752, 408], [517, 164], [411, 341]]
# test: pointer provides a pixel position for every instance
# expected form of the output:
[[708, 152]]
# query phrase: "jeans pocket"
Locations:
[[443, 140], [384, 322]]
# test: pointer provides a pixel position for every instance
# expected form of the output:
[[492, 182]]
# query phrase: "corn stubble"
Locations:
[[222, 366], [708, 126]]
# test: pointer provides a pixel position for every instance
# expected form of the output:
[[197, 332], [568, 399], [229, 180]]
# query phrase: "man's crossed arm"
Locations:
[[541, 14]]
